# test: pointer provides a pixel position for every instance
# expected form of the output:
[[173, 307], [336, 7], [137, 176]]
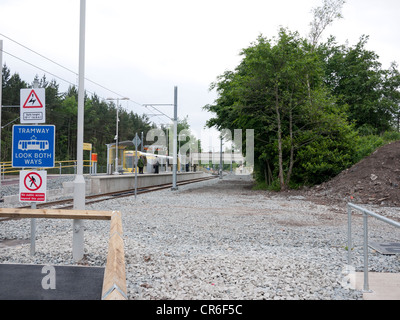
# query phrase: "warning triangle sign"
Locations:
[[32, 101]]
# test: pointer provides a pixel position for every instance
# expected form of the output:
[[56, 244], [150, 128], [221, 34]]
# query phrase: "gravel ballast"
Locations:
[[217, 239]]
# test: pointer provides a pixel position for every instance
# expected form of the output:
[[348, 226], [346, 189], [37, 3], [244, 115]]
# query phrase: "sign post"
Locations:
[[33, 147], [175, 142]]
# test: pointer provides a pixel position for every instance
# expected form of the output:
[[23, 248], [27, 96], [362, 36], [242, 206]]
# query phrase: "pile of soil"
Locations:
[[374, 180]]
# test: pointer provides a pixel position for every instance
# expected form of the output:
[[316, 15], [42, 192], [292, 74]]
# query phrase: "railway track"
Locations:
[[68, 203]]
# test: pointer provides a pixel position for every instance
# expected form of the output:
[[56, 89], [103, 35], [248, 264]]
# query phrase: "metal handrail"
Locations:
[[6, 166], [365, 213]]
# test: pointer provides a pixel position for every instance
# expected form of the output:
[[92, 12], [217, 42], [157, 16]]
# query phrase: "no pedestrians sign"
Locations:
[[32, 186]]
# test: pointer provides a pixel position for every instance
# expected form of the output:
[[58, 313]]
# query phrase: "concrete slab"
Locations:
[[388, 248], [24, 282], [384, 286], [115, 183]]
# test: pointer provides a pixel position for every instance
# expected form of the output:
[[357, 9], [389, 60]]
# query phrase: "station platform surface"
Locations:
[[113, 183], [383, 286], [24, 282]]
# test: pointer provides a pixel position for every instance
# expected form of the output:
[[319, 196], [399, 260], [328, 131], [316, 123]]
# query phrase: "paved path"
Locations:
[[384, 286]]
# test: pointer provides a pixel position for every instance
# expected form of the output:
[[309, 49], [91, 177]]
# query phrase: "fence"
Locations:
[[365, 213], [60, 167]]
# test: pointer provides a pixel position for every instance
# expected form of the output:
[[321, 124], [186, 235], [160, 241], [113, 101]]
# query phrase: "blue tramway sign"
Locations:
[[33, 146]]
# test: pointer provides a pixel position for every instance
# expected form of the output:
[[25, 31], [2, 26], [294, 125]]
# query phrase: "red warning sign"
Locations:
[[32, 186], [33, 181], [32, 101]]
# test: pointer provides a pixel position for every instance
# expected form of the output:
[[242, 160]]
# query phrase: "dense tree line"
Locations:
[[316, 108], [61, 110]]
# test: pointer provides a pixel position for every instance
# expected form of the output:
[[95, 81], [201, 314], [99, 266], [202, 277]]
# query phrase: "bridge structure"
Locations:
[[215, 157]]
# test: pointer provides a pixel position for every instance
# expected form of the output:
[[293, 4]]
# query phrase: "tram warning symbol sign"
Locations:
[[32, 186], [32, 101]]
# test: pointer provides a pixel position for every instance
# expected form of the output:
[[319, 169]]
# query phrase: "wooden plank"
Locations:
[[55, 214], [116, 224], [114, 283]]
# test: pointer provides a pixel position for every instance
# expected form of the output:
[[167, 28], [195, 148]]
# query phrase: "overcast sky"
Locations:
[[142, 49]]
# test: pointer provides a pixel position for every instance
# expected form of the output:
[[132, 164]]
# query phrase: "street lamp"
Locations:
[[116, 135]]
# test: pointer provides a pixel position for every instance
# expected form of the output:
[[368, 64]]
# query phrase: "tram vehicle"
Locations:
[[25, 145], [150, 160], [128, 160], [153, 162]]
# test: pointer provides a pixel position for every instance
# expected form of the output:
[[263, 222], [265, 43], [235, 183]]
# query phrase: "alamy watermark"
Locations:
[[188, 147], [49, 280]]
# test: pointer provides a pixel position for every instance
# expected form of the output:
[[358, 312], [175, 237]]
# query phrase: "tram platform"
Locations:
[[126, 181], [103, 183]]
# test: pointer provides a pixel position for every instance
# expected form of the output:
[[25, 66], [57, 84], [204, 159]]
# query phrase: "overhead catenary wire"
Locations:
[[45, 71], [56, 63], [67, 81], [37, 67], [6, 125], [65, 68]]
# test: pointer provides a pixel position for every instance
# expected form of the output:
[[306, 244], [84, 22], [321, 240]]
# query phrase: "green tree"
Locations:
[[12, 84], [278, 91], [324, 16], [355, 75], [61, 111], [391, 93]]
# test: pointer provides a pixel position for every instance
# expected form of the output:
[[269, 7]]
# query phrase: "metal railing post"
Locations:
[[366, 285], [349, 235]]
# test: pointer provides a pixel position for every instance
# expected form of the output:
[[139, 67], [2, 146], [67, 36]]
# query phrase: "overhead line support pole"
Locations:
[[1, 96], [175, 142], [79, 182]]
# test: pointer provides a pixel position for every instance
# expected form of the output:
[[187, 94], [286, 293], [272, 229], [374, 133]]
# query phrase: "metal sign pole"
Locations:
[[33, 207], [79, 182], [136, 162], [175, 141], [33, 232], [220, 160]]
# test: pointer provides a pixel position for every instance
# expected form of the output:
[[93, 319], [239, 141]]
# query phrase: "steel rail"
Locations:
[[65, 203]]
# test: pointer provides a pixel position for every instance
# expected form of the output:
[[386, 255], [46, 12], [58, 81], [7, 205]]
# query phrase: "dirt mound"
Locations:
[[374, 180]]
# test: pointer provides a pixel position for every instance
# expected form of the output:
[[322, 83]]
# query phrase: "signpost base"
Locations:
[[33, 232], [78, 225]]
